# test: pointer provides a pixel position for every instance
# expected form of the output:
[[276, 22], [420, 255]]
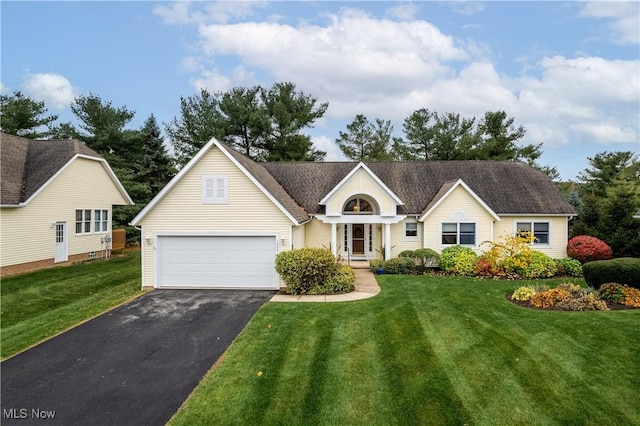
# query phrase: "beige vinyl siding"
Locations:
[[360, 183], [28, 233], [397, 238], [318, 234], [558, 232], [459, 201], [299, 237], [248, 209]]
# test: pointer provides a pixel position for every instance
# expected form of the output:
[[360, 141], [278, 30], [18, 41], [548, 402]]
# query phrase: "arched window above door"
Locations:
[[358, 205]]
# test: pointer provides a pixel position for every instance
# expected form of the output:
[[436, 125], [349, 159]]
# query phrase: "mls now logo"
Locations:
[[23, 413]]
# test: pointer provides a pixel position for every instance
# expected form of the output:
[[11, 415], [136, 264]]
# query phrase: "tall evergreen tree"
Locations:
[[156, 168], [266, 125], [26, 117], [367, 141], [200, 120], [289, 112], [610, 194]]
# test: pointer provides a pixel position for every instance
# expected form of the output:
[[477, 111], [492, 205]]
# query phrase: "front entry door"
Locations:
[[357, 239], [61, 242]]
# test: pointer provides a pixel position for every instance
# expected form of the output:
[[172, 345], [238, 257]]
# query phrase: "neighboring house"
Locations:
[[56, 202], [637, 215], [222, 219]]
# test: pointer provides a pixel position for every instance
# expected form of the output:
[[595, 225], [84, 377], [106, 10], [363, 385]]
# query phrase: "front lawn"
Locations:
[[40, 304], [427, 350]]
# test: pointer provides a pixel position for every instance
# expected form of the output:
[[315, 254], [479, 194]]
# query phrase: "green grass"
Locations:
[[40, 304], [427, 350]]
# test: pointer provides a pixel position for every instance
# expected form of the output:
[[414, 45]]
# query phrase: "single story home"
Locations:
[[56, 203], [223, 218]]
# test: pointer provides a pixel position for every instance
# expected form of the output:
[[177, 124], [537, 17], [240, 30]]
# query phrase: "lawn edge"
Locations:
[[71, 327]]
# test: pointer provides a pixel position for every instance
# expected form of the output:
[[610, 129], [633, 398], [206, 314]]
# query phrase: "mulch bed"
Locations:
[[612, 306]]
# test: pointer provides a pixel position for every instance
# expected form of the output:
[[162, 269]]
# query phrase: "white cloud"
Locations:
[[329, 146], [181, 12], [354, 53], [467, 8], [581, 100], [403, 12], [607, 132], [385, 68], [54, 89], [623, 17], [4, 89]]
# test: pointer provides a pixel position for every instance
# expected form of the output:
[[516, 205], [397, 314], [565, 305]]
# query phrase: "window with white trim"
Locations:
[[358, 205], [410, 231], [215, 189], [459, 233], [540, 230], [100, 220], [83, 221]]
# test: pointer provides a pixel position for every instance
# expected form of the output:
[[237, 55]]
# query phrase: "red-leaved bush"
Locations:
[[586, 249]]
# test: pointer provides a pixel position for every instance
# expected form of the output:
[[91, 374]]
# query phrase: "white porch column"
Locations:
[[387, 241], [334, 239]]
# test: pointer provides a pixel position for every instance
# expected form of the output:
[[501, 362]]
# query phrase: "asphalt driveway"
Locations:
[[133, 365]]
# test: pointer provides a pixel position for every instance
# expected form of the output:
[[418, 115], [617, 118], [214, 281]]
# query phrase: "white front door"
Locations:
[[358, 240], [61, 242]]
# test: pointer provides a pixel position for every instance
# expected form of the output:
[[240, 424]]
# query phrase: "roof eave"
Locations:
[[373, 175], [460, 182]]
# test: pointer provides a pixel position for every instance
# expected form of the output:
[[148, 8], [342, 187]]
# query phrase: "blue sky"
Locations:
[[569, 72]]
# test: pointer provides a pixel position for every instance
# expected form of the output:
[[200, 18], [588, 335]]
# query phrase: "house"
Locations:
[[223, 218], [56, 203], [637, 215]]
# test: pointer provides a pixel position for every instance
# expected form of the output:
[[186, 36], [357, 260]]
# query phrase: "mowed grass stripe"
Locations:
[[427, 350]]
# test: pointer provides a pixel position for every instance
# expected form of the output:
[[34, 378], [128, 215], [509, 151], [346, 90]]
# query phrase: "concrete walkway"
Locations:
[[366, 287]]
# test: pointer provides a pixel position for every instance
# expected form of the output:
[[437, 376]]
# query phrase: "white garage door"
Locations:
[[217, 262]]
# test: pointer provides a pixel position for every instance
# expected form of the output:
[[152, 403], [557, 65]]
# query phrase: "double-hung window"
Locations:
[[215, 189], [101, 221], [83, 221], [540, 230], [411, 231], [461, 233]]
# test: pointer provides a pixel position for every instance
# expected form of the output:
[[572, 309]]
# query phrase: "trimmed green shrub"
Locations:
[[427, 258], [587, 249], [407, 253], [375, 264], [458, 260], [305, 271], [342, 281], [611, 292], [569, 267], [399, 265], [623, 270], [537, 265]]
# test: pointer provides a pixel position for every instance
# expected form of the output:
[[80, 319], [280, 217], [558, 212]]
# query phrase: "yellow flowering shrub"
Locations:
[[523, 293]]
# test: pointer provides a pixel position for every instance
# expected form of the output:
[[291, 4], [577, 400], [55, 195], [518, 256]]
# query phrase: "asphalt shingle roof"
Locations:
[[26, 165], [271, 185], [507, 187]]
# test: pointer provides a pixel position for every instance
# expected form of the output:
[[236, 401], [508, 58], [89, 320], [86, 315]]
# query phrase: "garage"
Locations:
[[205, 261]]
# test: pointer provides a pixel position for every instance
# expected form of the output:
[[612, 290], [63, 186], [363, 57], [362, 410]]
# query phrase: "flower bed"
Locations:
[[572, 297]]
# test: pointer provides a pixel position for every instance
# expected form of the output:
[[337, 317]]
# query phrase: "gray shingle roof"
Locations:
[[271, 185], [26, 165], [506, 187]]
